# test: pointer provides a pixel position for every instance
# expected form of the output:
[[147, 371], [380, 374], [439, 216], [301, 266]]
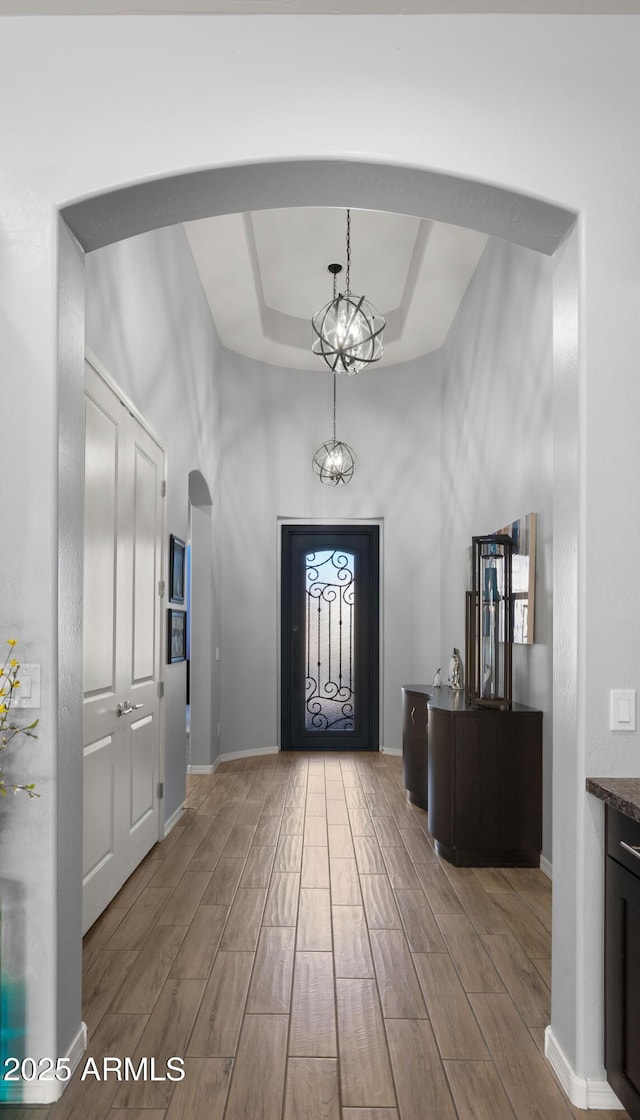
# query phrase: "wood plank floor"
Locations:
[[299, 944]]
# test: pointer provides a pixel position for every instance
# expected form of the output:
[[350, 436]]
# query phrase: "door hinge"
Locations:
[[161, 586], [160, 790], [163, 488], [160, 689]]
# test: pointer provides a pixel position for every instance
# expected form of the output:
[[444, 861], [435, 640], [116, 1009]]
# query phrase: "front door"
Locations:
[[330, 626], [124, 473]]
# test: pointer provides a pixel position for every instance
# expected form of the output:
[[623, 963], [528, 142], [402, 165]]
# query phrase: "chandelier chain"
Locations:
[[348, 251], [334, 406]]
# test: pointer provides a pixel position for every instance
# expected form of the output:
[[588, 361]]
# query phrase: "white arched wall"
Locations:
[[526, 104], [309, 182], [203, 677]]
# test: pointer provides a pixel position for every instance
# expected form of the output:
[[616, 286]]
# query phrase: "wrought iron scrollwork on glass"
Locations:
[[330, 604]]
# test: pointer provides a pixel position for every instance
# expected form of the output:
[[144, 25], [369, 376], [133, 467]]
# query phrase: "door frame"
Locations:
[[333, 523], [161, 640]]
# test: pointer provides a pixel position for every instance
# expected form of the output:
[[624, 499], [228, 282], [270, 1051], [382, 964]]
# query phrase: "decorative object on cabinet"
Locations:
[[523, 533], [177, 549], [348, 329], [437, 679], [489, 622], [456, 672], [484, 782], [176, 636]]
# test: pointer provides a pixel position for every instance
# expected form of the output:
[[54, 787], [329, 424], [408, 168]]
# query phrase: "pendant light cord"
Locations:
[[348, 252]]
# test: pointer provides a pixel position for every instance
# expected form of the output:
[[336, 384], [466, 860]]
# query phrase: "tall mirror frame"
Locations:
[[489, 622]]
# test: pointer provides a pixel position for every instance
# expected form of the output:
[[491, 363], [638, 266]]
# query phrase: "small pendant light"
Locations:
[[334, 462]]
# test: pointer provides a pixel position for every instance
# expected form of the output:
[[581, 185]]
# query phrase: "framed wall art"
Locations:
[[176, 636], [177, 550], [523, 533]]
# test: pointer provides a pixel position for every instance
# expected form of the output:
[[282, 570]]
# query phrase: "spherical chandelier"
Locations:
[[334, 462], [347, 330]]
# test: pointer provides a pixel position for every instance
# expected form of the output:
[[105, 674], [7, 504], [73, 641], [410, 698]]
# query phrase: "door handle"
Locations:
[[632, 850], [126, 707], [413, 713]]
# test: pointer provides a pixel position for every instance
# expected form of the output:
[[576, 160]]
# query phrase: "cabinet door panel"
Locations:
[[441, 777], [414, 746], [622, 1008]]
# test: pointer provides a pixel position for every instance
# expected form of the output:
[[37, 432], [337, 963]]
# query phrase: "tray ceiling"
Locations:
[[265, 274]]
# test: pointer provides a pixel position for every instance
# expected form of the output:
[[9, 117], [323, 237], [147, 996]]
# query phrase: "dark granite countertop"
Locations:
[[453, 700], [622, 794]]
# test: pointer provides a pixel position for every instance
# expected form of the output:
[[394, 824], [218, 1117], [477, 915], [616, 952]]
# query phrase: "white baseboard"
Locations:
[[173, 820], [395, 752], [45, 1092], [230, 757], [546, 866], [211, 769], [246, 754], [583, 1092]]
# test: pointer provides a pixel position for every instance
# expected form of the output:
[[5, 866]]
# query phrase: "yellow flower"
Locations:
[[13, 662], [12, 641]]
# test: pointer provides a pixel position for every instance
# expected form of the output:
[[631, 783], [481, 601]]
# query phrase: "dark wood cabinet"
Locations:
[[484, 777], [622, 959], [415, 744]]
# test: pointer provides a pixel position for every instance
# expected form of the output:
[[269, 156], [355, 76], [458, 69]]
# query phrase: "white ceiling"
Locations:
[[265, 274]]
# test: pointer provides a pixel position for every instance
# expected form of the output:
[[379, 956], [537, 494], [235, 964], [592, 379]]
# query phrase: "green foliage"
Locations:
[[9, 729]]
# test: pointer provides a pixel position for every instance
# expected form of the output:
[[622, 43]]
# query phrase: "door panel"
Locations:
[[142, 770], [101, 488], [124, 468], [330, 606], [147, 485], [98, 805]]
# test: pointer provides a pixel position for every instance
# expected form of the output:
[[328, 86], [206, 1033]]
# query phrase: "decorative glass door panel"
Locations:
[[330, 606], [331, 592]]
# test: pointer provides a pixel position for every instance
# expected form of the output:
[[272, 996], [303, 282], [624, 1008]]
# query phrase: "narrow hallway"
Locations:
[[299, 944]]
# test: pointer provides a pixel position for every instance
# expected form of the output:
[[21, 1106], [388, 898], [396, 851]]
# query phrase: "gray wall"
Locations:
[[148, 322], [273, 421], [251, 430], [497, 450]]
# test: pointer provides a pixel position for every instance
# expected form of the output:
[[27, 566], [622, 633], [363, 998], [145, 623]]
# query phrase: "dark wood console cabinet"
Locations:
[[415, 744], [484, 777], [622, 959]]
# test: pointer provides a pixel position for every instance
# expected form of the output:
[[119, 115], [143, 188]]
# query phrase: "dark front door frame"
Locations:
[[293, 737]]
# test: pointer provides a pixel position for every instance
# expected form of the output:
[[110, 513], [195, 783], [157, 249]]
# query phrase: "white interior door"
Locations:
[[124, 473]]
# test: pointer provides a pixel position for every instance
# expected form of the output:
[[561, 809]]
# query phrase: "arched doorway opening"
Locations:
[[530, 222]]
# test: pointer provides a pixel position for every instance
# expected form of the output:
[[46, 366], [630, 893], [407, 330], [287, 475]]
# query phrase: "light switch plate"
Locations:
[[28, 695], [622, 709]]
